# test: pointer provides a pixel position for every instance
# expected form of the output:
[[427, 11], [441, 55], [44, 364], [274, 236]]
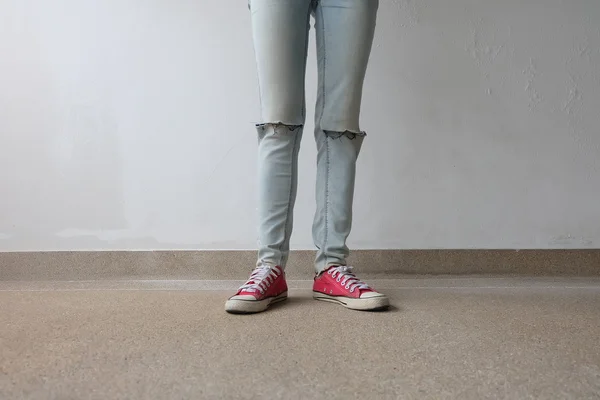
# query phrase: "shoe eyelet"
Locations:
[[339, 279], [330, 271], [347, 287], [352, 290]]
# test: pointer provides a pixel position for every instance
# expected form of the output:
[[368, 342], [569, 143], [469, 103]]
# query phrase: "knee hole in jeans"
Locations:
[[347, 133], [291, 128]]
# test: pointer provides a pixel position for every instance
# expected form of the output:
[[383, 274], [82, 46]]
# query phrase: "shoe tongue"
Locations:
[[251, 288], [253, 282]]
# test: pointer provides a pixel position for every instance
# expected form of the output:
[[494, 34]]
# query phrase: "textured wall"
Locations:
[[129, 125]]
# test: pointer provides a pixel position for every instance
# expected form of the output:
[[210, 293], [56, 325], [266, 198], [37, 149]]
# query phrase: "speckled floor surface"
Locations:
[[471, 339]]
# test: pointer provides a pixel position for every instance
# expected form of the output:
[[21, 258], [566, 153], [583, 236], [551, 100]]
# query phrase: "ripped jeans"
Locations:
[[344, 33]]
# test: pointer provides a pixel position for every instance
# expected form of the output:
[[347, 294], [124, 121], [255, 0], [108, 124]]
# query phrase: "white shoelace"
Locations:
[[261, 278], [347, 278]]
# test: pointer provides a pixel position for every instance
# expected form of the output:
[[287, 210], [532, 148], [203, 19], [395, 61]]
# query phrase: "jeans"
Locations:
[[344, 33]]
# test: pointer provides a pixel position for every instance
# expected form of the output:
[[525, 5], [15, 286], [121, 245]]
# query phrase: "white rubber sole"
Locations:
[[234, 306], [368, 304]]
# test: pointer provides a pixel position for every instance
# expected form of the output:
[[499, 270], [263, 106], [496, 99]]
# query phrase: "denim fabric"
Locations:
[[344, 33]]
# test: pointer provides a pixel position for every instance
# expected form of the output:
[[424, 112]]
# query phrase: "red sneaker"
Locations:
[[340, 285], [265, 287]]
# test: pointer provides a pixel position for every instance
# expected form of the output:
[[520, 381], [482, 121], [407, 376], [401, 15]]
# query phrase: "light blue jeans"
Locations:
[[344, 32]]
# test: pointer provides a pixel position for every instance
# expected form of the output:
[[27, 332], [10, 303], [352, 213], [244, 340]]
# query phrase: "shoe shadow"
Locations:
[[297, 300], [302, 300], [389, 309]]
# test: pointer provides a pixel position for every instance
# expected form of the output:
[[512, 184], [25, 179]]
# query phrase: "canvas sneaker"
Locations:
[[265, 286], [338, 284]]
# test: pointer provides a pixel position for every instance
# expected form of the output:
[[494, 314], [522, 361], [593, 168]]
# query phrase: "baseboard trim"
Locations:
[[235, 265]]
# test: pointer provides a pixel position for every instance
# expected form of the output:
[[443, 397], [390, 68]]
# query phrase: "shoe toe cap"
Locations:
[[370, 295], [243, 297]]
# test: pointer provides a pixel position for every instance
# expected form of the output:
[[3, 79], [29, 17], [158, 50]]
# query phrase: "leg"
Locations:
[[345, 30], [280, 32]]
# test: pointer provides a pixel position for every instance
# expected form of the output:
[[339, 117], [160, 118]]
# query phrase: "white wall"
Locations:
[[128, 125]]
